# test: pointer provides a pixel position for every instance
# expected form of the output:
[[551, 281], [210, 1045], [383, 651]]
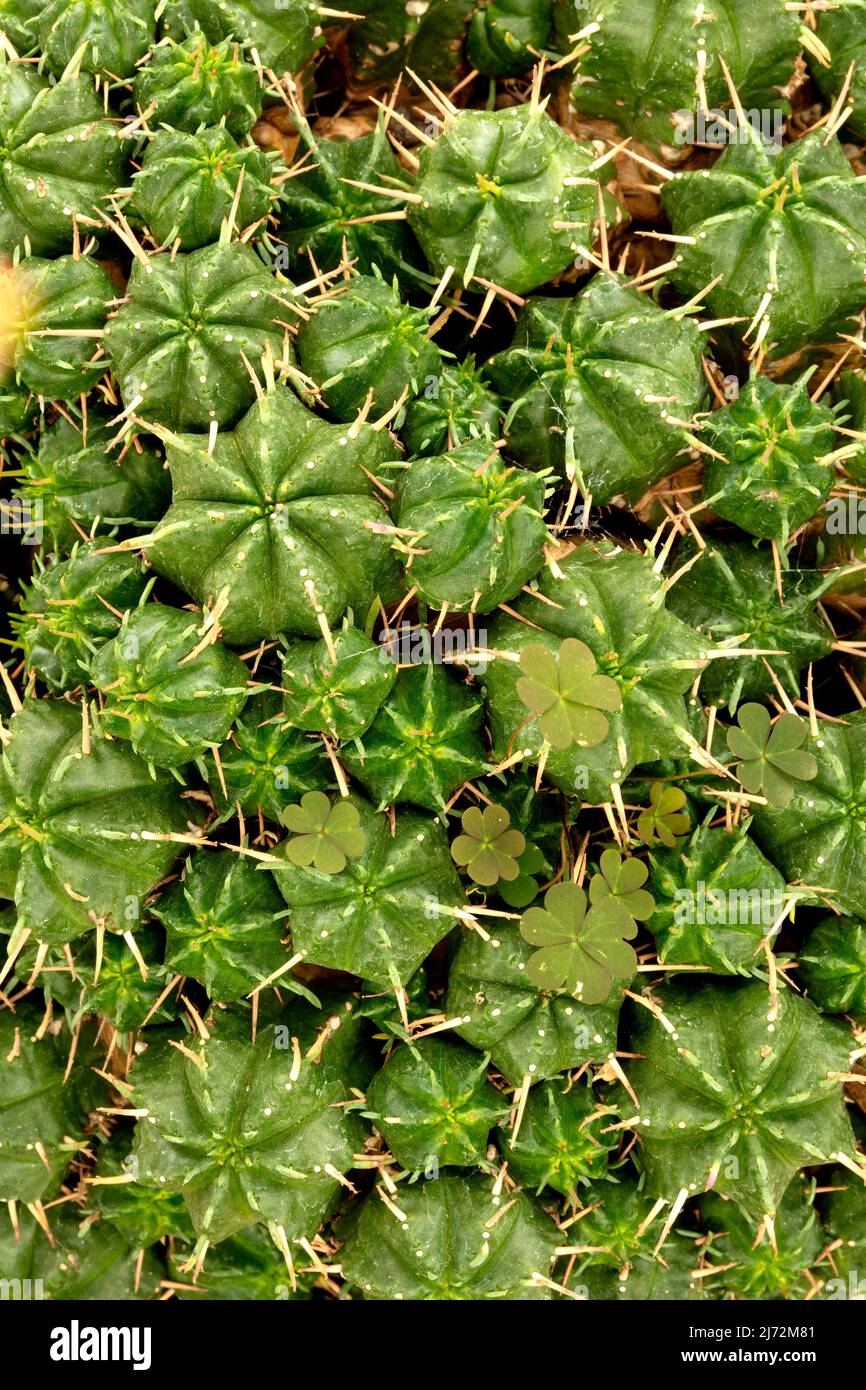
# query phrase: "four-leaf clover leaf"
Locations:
[[567, 693], [325, 836], [771, 756], [664, 819], [489, 847], [581, 952], [621, 881]]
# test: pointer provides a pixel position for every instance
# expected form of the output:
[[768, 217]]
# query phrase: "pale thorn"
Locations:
[[521, 1095], [136, 953], [413, 130], [679, 1203], [401, 194]]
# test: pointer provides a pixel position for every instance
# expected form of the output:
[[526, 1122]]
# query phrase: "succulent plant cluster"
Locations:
[[433, 670]]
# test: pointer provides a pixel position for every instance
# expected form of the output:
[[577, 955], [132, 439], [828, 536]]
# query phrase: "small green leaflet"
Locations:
[[772, 758], [567, 694], [324, 836], [664, 820], [583, 950], [489, 847]]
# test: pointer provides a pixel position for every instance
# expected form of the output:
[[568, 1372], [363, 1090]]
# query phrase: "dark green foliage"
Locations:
[[385, 910], [426, 38], [423, 744], [476, 526], [37, 1108], [475, 183], [143, 1215], [169, 687], [763, 1269], [561, 1143], [245, 1133], [613, 603], [446, 1249], [506, 36], [432, 782], [79, 477], [800, 210], [731, 593], [433, 1106], [773, 473], [337, 694], [59, 158], [455, 407], [56, 978], [717, 899], [642, 65], [833, 966], [281, 35], [86, 1260], [187, 183], [618, 1240], [120, 991], [667, 1277], [364, 339], [587, 377], [843, 32], [843, 1210], [527, 1031], [819, 835], [71, 608], [18, 410], [273, 522], [222, 924], [177, 344], [71, 822], [247, 1266], [851, 396], [19, 20], [319, 207], [383, 1007], [64, 296], [193, 83], [732, 1100], [116, 38], [265, 763]]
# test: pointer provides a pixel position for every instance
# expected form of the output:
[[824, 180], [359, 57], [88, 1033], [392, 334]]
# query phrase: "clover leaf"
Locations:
[[520, 891], [665, 818], [581, 951], [325, 836], [621, 882], [489, 847], [567, 693], [771, 756]]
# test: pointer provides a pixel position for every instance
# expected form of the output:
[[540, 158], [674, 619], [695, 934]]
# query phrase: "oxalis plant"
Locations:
[[432, 743], [583, 936], [590, 672]]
